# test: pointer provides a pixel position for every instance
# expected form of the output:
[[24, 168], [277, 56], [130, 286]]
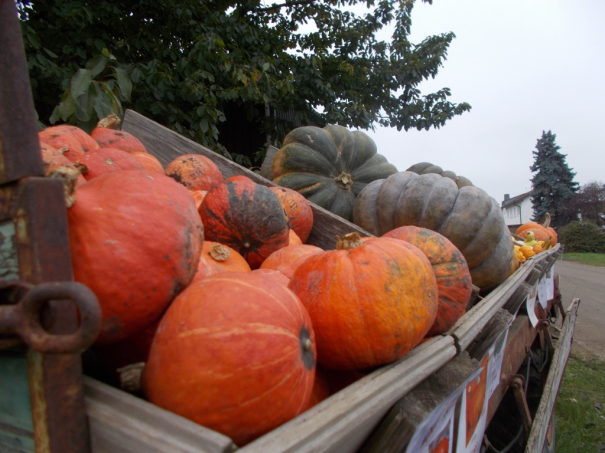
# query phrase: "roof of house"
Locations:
[[516, 199]]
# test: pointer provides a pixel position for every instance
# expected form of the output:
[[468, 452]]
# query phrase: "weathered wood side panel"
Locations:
[[167, 145], [122, 423], [537, 435]]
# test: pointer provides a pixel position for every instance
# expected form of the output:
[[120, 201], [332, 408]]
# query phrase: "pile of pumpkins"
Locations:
[[209, 281], [534, 237]]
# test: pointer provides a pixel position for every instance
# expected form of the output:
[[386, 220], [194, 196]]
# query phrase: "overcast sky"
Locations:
[[525, 66]]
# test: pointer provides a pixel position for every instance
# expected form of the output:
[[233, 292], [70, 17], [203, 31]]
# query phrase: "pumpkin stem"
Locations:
[[130, 377], [349, 241], [219, 252], [111, 121], [344, 181], [545, 222], [69, 177], [308, 345]]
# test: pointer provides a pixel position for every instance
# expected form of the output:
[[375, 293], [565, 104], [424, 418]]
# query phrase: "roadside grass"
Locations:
[[580, 426], [592, 259]]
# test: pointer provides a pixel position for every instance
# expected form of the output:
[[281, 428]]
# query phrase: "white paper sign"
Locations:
[[473, 412], [543, 292], [531, 306], [494, 366], [436, 432], [550, 282]]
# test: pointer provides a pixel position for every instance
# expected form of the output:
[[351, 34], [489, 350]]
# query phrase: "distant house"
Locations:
[[517, 210]]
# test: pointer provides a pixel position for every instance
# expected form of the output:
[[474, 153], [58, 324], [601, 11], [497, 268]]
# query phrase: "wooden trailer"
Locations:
[[47, 403]]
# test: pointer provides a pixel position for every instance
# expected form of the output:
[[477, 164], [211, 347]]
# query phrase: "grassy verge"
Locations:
[[580, 426], [592, 259]]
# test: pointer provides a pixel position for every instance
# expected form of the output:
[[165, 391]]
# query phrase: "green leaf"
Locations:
[[56, 115], [204, 125], [80, 82], [50, 53], [85, 103], [68, 106], [105, 53], [136, 75], [124, 83], [266, 67], [96, 65], [116, 105], [102, 103]]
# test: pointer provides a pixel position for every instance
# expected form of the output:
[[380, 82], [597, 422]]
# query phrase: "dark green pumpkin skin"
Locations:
[[468, 217], [247, 217], [329, 166]]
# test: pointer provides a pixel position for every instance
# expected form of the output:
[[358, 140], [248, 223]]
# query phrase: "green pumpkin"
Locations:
[[424, 168], [329, 166], [467, 216]]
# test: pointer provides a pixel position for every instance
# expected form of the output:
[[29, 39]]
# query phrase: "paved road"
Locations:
[[588, 284]]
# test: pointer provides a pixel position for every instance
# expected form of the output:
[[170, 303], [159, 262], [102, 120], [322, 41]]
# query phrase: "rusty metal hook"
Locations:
[[23, 318]]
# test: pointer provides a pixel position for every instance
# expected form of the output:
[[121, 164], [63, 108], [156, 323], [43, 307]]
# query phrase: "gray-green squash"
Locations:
[[329, 166], [467, 216]]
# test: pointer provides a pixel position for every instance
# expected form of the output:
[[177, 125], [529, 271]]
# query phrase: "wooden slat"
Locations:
[[543, 415], [167, 145], [341, 423], [122, 423]]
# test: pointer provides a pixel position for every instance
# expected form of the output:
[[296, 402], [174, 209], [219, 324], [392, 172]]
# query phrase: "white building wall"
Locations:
[[519, 212]]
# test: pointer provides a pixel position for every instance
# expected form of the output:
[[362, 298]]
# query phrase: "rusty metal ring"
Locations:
[[36, 337]]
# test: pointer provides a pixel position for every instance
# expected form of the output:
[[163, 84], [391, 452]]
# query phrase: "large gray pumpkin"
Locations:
[[329, 166], [468, 217]]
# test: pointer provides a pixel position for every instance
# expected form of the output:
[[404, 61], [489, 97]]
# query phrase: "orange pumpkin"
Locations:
[[287, 259], [298, 210], [527, 251], [54, 159], [194, 171], [135, 242], [454, 283], [149, 162], [59, 138], [274, 275], [216, 258], [541, 232], [293, 238], [247, 217], [111, 138], [370, 302], [106, 160], [321, 390], [231, 358]]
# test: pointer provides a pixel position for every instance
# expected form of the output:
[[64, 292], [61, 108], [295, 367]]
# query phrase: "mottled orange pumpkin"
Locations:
[[59, 138], [298, 209], [216, 258], [54, 159], [274, 275], [293, 238], [106, 160], [111, 138], [194, 171], [454, 283], [135, 240], [370, 303], [234, 352], [247, 217], [287, 259], [541, 232], [149, 162]]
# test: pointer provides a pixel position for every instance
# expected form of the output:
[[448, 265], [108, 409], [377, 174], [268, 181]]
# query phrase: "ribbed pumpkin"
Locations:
[[329, 166], [62, 137], [135, 242], [454, 284], [286, 260], [370, 302], [216, 258], [234, 352], [424, 168], [274, 275], [541, 233], [148, 161], [194, 171], [247, 217], [298, 210], [111, 138], [468, 217], [106, 160]]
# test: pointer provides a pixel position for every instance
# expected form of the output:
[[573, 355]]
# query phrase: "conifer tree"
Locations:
[[553, 183]]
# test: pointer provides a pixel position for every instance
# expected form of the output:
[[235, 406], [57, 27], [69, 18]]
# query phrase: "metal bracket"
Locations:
[[23, 317], [517, 383]]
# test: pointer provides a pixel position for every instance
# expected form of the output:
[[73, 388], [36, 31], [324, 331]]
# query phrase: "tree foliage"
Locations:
[[587, 204], [582, 237], [553, 183], [180, 61]]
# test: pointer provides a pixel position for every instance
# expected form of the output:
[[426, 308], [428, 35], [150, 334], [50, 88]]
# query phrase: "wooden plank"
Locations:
[[167, 145], [122, 423], [537, 435], [341, 423]]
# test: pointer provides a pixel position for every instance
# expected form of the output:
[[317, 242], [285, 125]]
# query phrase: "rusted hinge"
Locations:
[[517, 383], [22, 319]]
